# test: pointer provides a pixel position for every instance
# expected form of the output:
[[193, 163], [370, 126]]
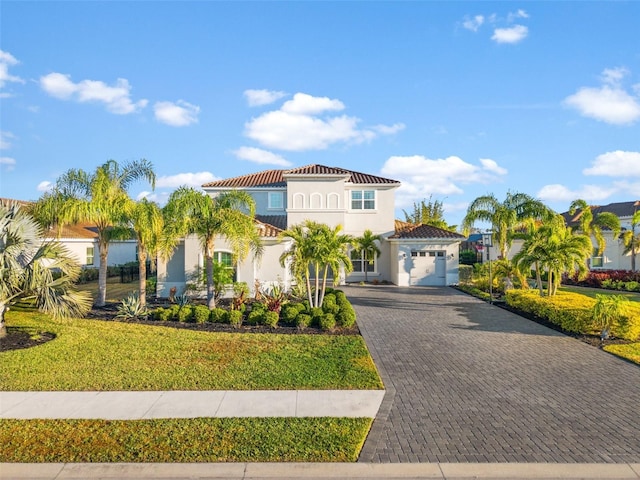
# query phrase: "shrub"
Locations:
[[346, 318], [185, 314], [328, 322], [235, 317], [271, 319], [316, 314], [130, 308], [173, 312], [256, 316], [289, 313], [329, 304], [574, 312], [162, 314], [465, 273], [201, 313], [303, 320], [218, 315]]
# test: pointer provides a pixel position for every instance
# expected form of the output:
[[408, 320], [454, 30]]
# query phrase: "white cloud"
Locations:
[[116, 98], [44, 186], [304, 104], [513, 34], [421, 176], [256, 98], [257, 155], [389, 129], [473, 23], [492, 166], [5, 139], [560, 193], [515, 15], [188, 179], [7, 60], [178, 114], [610, 103], [298, 126], [8, 163], [615, 164]]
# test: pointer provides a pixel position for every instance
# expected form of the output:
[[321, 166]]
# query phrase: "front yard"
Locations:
[[108, 355]]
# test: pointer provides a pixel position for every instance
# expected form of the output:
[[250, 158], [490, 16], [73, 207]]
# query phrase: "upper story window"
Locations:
[[276, 200], [363, 199], [597, 261]]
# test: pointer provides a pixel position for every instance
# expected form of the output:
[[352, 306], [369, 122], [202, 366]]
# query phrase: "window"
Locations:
[[226, 259], [276, 200], [363, 199], [359, 263], [597, 261], [90, 255]]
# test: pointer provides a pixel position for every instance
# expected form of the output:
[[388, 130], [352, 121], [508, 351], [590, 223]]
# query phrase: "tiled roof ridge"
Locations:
[[276, 177]]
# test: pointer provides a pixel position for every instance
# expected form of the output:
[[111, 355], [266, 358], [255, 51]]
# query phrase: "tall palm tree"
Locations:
[[515, 212], [27, 266], [367, 247], [99, 198], [316, 249], [593, 226], [148, 224], [230, 215], [631, 239]]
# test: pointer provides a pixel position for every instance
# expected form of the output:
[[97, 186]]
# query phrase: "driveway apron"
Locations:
[[470, 382]]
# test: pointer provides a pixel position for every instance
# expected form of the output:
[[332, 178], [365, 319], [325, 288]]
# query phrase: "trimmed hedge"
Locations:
[[573, 312]]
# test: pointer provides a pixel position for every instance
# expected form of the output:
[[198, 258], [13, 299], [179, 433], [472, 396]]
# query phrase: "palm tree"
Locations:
[[316, 248], [229, 214], [517, 210], [99, 198], [367, 247], [593, 226], [27, 266], [332, 254], [631, 240], [555, 248], [148, 224]]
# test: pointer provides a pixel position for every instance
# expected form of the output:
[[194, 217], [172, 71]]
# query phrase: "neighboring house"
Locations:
[[410, 255], [82, 241], [613, 257]]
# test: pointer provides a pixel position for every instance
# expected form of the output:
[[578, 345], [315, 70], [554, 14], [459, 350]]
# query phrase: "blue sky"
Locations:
[[454, 99]]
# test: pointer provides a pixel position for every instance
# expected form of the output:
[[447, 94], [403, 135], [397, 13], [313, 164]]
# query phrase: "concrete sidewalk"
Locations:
[[243, 471], [190, 404]]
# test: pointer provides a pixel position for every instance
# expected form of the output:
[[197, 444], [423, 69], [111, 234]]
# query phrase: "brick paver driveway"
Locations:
[[470, 382]]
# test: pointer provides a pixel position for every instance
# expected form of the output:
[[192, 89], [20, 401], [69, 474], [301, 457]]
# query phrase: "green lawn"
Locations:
[[592, 292], [630, 351], [103, 355], [184, 440], [116, 291]]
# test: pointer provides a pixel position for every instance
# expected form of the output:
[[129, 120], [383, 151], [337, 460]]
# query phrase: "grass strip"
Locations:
[[103, 355], [184, 440], [630, 351]]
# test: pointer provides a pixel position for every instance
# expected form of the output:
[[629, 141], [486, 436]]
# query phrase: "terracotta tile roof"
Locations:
[[276, 178], [81, 230], [423, 231]]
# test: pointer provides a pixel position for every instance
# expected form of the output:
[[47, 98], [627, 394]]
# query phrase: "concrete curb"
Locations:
[[244, 471]]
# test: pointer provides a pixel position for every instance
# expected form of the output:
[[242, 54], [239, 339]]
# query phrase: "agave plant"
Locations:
[[132, 308]]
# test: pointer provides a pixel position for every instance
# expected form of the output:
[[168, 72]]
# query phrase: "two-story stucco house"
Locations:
[[410, 255]]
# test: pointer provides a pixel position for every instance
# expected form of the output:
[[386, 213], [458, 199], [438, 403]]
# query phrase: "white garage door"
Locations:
[[429, 268]]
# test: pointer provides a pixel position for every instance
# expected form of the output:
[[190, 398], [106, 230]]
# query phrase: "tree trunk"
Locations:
[[142, 273], [365, 265], [3, 325], [539, 279], [103, 248], [317, 283], [208, 259]]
